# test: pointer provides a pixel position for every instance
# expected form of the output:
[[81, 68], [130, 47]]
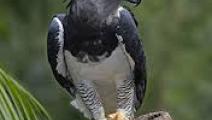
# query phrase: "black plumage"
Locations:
[[52, 50], [129, 32]]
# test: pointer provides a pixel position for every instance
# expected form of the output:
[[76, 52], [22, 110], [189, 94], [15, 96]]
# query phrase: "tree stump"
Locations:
[[160, 115]]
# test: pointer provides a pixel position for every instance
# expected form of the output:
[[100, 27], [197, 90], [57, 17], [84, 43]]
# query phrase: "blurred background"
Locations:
[[177, 36]]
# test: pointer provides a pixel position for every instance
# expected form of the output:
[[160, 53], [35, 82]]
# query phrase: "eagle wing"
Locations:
[[55, 50], [128, 31]]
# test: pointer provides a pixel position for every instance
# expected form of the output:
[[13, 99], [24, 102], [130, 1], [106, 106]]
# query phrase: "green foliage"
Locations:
[[16, 103]]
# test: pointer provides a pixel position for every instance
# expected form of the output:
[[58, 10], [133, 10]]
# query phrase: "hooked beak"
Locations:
[[136, 2]]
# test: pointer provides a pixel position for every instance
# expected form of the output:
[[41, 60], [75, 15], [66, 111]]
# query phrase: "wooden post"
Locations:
[[160, 115]]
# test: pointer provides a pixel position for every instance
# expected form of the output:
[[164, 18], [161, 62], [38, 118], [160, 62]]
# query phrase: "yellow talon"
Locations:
[[112, 116], [116, 116]]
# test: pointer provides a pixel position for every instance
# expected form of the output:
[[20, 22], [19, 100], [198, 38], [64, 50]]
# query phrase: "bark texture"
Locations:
[[160, 115]]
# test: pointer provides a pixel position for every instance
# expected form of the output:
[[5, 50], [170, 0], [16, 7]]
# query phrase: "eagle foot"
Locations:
[[117, 116]]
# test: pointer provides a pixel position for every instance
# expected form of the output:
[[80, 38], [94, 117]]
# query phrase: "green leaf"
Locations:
[[18, 104]]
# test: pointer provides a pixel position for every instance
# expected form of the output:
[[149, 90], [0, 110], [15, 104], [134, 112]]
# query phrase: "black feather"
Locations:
[[52, 50], [128, 30]]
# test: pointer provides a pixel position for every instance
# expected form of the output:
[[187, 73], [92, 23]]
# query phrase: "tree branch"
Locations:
[[160, 115]]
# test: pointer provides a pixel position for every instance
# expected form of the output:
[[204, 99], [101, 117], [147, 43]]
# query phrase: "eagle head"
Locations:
[[93, 13]]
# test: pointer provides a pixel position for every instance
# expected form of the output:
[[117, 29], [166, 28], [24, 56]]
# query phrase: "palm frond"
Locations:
[[18, 104]]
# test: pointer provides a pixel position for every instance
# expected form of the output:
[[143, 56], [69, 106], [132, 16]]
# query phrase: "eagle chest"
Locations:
[[103, 74], [114, 67]]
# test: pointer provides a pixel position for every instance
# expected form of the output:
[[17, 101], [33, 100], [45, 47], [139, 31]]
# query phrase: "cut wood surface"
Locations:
[[160, 115]]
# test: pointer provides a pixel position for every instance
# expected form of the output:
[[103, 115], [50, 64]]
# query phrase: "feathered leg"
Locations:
[[91, 99], [125, 101]]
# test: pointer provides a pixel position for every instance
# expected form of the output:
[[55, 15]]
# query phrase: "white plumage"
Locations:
[[103, 74]]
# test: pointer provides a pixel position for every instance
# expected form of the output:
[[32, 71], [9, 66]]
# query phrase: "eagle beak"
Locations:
[[136, 2]]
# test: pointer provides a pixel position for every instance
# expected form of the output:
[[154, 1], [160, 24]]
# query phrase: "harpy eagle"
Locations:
[[95, 54]]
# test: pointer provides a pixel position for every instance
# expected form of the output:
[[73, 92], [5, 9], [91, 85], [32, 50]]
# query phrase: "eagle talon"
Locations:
[[112, 116], [117, 116]]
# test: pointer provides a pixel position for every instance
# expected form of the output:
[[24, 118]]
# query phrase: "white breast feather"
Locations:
[[115, 67]]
